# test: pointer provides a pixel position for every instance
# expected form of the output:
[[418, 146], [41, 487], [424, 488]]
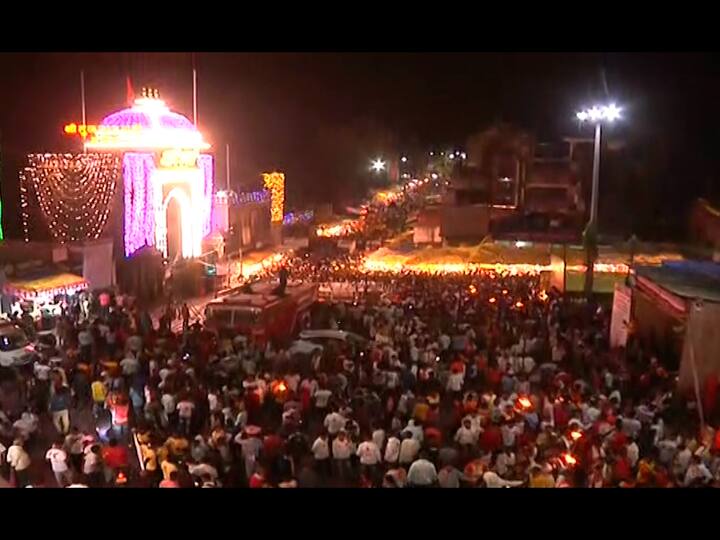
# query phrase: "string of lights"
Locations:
[[247, 197], [275, 183], [74, 193], [293, 218]]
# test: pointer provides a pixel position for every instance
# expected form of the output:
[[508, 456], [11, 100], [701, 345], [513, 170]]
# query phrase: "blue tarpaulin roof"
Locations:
[[688, 279]]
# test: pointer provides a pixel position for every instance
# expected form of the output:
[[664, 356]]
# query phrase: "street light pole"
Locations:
[[596, 115], [595, 177]]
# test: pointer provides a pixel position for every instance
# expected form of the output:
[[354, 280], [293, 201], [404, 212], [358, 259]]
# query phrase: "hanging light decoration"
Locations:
[[275, 183], [74, 193]]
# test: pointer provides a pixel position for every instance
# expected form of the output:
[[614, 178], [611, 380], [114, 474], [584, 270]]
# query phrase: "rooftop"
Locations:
[[686, 279]]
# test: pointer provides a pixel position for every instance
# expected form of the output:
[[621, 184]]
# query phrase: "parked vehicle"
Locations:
[[15, 348]]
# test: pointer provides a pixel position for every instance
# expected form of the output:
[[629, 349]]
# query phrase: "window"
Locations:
[[220, 316]]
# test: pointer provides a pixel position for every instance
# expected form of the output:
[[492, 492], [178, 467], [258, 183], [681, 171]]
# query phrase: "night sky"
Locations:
[[282, 110]]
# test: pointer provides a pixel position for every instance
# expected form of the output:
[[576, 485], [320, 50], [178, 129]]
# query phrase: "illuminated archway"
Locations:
[[185, 211]]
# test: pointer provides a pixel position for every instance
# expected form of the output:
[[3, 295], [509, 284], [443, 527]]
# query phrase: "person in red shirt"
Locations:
[[494, 376], [491, 439], [171, 482], [257, 480], [115, 457], [622, 471], [619, 440]]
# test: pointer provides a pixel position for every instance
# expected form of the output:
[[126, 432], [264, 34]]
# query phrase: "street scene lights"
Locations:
[[597, 115], [378, 165]]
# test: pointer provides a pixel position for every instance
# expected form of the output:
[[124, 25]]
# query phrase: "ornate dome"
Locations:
[[148, 124], [147, 114]]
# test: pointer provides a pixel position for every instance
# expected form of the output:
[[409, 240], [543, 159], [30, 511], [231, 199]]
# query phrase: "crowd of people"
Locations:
[[466, 380], [459, 381]]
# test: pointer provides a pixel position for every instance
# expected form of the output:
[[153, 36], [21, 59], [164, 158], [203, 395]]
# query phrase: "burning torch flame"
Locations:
[[492, 300], [575, 435], [569, 459], [525, 403]]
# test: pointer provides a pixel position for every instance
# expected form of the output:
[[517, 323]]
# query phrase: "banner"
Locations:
[[98, 264], [622, 302], [701, 348]]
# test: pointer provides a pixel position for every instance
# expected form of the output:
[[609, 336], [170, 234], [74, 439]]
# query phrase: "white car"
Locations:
[[303, 347], [15, 348], [323, 337]]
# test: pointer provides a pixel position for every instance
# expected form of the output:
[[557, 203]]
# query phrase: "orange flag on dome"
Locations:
[[130, 91]]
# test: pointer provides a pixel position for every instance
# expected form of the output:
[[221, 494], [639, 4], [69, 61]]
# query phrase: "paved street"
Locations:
[[40, 473]]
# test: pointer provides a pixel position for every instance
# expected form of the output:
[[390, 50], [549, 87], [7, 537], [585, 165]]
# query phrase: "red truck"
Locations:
[[262, 314]]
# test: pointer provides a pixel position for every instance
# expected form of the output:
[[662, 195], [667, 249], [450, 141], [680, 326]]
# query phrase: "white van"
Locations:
[[15, 348]]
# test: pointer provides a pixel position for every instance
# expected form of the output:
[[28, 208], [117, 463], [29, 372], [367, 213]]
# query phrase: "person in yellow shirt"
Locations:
[[540, 478], [99, 394], [421, 411], [167, 468], [150, 459], [177, 444], [161, 453]]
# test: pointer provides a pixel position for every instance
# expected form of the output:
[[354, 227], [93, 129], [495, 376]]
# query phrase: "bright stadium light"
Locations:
[[599, 113], [378, 165]]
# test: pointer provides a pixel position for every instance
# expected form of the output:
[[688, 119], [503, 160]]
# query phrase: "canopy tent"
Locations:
[[45, 287]]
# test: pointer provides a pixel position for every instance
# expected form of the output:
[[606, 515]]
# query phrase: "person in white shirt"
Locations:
[[185, 410], [633, 453], [422, 473], [334, 422], [92, 465], [528, 364], [450, 477], [409, 448], [322, 397], [493, 480], [682, 461], [504, 461], [19, 461], [631, 426], [467, 435], [130, 366], [416, 431], [378, 437], [697, 472], [370, 457], [321, 453], [58, 459], [26, 425], [42, 371], [341, 451], [455, 382], [392, 450], [169, 407]]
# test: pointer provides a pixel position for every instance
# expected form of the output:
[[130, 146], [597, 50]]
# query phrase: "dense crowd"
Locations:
[[461, 380], [472, 380]]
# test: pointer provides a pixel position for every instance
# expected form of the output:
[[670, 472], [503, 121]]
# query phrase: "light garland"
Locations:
[[247, 197], [275, 183], [139, 201], [293, 218], [74, 193], [392, 265], [345, 228]]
